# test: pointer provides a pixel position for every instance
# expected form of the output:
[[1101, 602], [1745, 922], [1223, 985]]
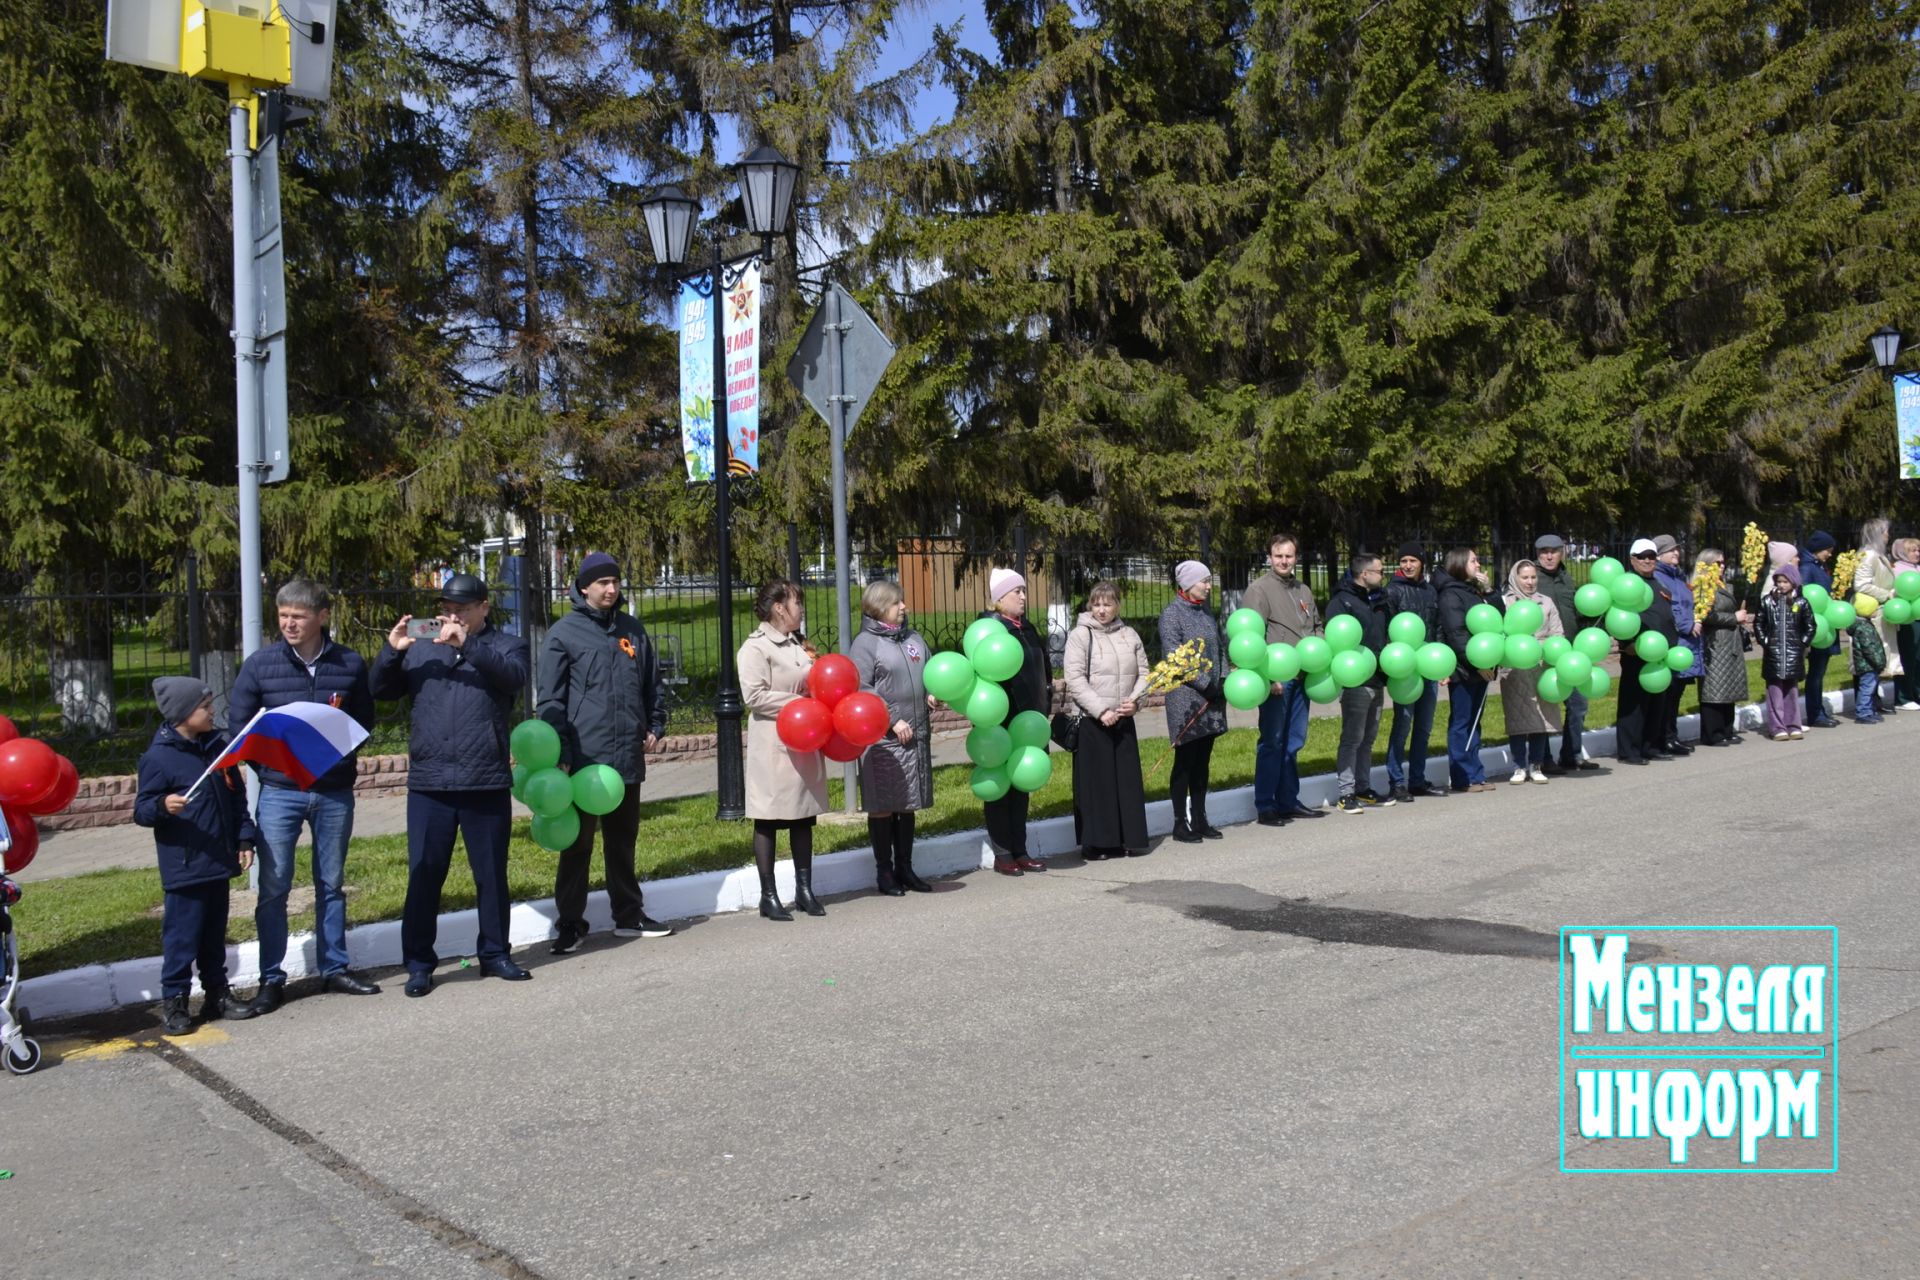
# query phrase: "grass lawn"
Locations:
[[114, 915]]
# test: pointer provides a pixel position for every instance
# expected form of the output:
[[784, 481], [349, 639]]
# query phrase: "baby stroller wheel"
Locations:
[[21, 1064]]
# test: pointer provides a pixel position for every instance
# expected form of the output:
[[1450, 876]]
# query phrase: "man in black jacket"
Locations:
[[1639, 711], [1361, 598], [601, 688], [1410, 591], [462, 683]]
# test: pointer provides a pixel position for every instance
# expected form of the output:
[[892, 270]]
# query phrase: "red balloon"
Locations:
[[832, 678], [26, 839], [28, 770], [66, 785], [838, 748], [805, 725], [861, 718], [7, 732]]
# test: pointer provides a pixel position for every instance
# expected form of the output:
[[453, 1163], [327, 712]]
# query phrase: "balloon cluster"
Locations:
[[1009, 757], [837, 720], [1616, 599], [1904, 606], [1834, 616], [34, 779], [1331, 663], [557, 798]]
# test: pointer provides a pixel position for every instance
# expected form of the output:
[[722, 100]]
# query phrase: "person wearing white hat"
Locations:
[[1637, 718], [1196, 710], [1028, 689]]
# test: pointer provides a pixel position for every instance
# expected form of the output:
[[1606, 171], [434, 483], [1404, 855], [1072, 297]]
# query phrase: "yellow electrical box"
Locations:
[[233, 40]]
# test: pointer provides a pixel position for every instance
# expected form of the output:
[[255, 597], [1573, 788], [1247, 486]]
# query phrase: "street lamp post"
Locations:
[[1886, 347], [766, 191]]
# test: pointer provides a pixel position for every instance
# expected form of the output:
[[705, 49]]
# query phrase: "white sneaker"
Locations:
[[1534, 775], [1783, 736], [1910, 706], [1519, 776]]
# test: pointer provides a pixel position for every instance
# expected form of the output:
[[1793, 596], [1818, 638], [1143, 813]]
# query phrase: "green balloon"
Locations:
[[1248, 649], [1029, 769], [1028, 729], [1626, 592], [1246, 620], [1592, 601], [1605, 571], [1407, 689], [1523, 618], [1408, 629], [1574, 668], [1344, 632], [1622, 624], [989, 746], [535, 744], [520, 775], [1840, 615], [1679, 659], [548, 792], [1598, 682], [1817, 596], [1435, 661], [1595, 643], [1551, 687], [987, 704], [1554, 648], [998, 657], [979, 629], [1522, 653], [1352, 668], [1315, 654], [598, 789], [990, 783], [1822, 633], [1323, 688], [1655, 679], [949, 676], [1651, 646], [1897, 611], [1485, 650], [556, 831], [1283, 662], [1399, 660], [1483, 619], [1906, 585], [1246, 689]]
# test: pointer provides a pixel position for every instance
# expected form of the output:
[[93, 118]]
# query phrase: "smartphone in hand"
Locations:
[[424, 629]]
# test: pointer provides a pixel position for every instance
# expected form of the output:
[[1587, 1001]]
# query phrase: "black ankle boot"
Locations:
[[880, 833], [222, 1004], [1185, 834], [174, 1018], [903, 855], [803, 893], [770, 907]]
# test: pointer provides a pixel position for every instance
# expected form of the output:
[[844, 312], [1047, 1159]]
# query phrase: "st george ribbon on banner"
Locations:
[[738, 301], [1906, 417], [300, 739]]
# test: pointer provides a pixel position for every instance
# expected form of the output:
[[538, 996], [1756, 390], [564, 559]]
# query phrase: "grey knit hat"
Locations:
[[177, 696]]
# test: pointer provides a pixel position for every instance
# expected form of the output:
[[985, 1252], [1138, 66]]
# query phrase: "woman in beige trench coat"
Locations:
[[785, 789]]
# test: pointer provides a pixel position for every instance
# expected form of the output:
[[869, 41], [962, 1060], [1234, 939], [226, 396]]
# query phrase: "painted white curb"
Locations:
[[95, 988]]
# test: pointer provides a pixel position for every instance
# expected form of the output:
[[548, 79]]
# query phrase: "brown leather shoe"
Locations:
[[1007, 866], [1029, 864]]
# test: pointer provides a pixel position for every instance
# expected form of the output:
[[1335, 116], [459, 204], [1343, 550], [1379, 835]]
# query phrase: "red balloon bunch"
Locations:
[[34, 779], [838, 720]]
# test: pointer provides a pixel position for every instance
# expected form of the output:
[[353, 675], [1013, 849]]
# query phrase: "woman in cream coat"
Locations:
[[785, 789], [1106, 668], [1873, 576]]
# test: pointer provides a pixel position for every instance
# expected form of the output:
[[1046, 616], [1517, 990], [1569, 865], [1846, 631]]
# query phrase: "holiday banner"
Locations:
[[1906, 411], [743, 367], [696, 381]]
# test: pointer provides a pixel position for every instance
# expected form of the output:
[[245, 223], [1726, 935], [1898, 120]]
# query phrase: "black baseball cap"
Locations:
[[463, 588]]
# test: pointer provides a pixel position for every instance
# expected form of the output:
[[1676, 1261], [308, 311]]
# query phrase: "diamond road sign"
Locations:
[[865, 353]]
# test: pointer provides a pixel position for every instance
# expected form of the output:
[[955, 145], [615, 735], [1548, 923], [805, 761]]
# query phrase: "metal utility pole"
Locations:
[[246, 358]]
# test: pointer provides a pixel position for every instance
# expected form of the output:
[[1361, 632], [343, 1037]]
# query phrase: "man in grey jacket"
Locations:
[[601, 688], [1557, 584]]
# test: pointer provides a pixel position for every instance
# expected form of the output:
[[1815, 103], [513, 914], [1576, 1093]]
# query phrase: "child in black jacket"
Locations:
[[202, 842]]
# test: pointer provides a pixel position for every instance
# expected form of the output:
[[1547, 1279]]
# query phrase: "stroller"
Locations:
[[21, 1051]]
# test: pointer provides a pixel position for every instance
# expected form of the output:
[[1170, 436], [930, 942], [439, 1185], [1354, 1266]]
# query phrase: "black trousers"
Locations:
[[1716, 721], [1668, 728], [1907, 686], [1007, 821], [193, 932], [1109, 799], [1187, 783], [1633, 726], [622, 827], [484, 821]]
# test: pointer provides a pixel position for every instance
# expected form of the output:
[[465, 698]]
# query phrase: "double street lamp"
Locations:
[[767, 179]]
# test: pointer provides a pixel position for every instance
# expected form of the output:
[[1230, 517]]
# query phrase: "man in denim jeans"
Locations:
[[1288, 605], [1557, 584], [305, 666], [1410, 591]]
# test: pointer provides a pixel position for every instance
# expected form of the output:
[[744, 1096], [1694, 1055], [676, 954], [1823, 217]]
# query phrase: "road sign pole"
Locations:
[[837, 428], [246, 370]]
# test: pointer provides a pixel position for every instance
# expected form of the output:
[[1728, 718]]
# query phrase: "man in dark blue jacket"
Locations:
[[1814, 558], [1411, 591], [1361, 598], [305, 666], [462, 683], [202, 838]]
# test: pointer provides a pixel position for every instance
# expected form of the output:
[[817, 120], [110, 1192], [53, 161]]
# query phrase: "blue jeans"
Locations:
[[1407, 739], [1863, 708], [1576, 724], [283, 811], [1464, 700], [1276, 758], [1816, 687]]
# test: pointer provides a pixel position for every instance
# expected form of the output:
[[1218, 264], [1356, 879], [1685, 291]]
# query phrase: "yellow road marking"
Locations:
[[76, 1050]]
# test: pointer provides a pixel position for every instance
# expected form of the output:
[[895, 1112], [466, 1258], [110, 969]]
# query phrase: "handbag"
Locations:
[[1066, 730]]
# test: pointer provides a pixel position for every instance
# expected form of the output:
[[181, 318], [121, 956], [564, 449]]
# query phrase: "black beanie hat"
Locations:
[[1413, 549], [596, 566]]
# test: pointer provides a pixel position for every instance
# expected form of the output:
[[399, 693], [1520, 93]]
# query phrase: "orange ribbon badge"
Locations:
[[626, 647]]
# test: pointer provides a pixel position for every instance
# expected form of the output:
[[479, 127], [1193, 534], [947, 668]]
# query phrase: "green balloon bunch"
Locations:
[[557, 798], [1248, 685], [1007, 755], [1487, 642]]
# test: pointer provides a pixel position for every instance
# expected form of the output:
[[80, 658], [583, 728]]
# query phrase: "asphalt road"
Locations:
[[1151, 1068]]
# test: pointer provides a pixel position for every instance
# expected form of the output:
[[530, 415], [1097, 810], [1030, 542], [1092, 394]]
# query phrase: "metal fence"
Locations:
[[77, 662]]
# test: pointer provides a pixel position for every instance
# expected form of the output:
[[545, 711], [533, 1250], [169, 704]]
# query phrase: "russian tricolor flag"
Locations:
[[301, 739]]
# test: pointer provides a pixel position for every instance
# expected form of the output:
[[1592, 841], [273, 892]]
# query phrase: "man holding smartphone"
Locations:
[[462, 675]]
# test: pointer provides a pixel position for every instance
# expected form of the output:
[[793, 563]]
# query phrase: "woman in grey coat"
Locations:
[[1724, 686], [1196, 710], [896, 773]]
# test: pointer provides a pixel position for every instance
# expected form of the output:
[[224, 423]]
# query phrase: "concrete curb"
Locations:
[[96, 988]]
